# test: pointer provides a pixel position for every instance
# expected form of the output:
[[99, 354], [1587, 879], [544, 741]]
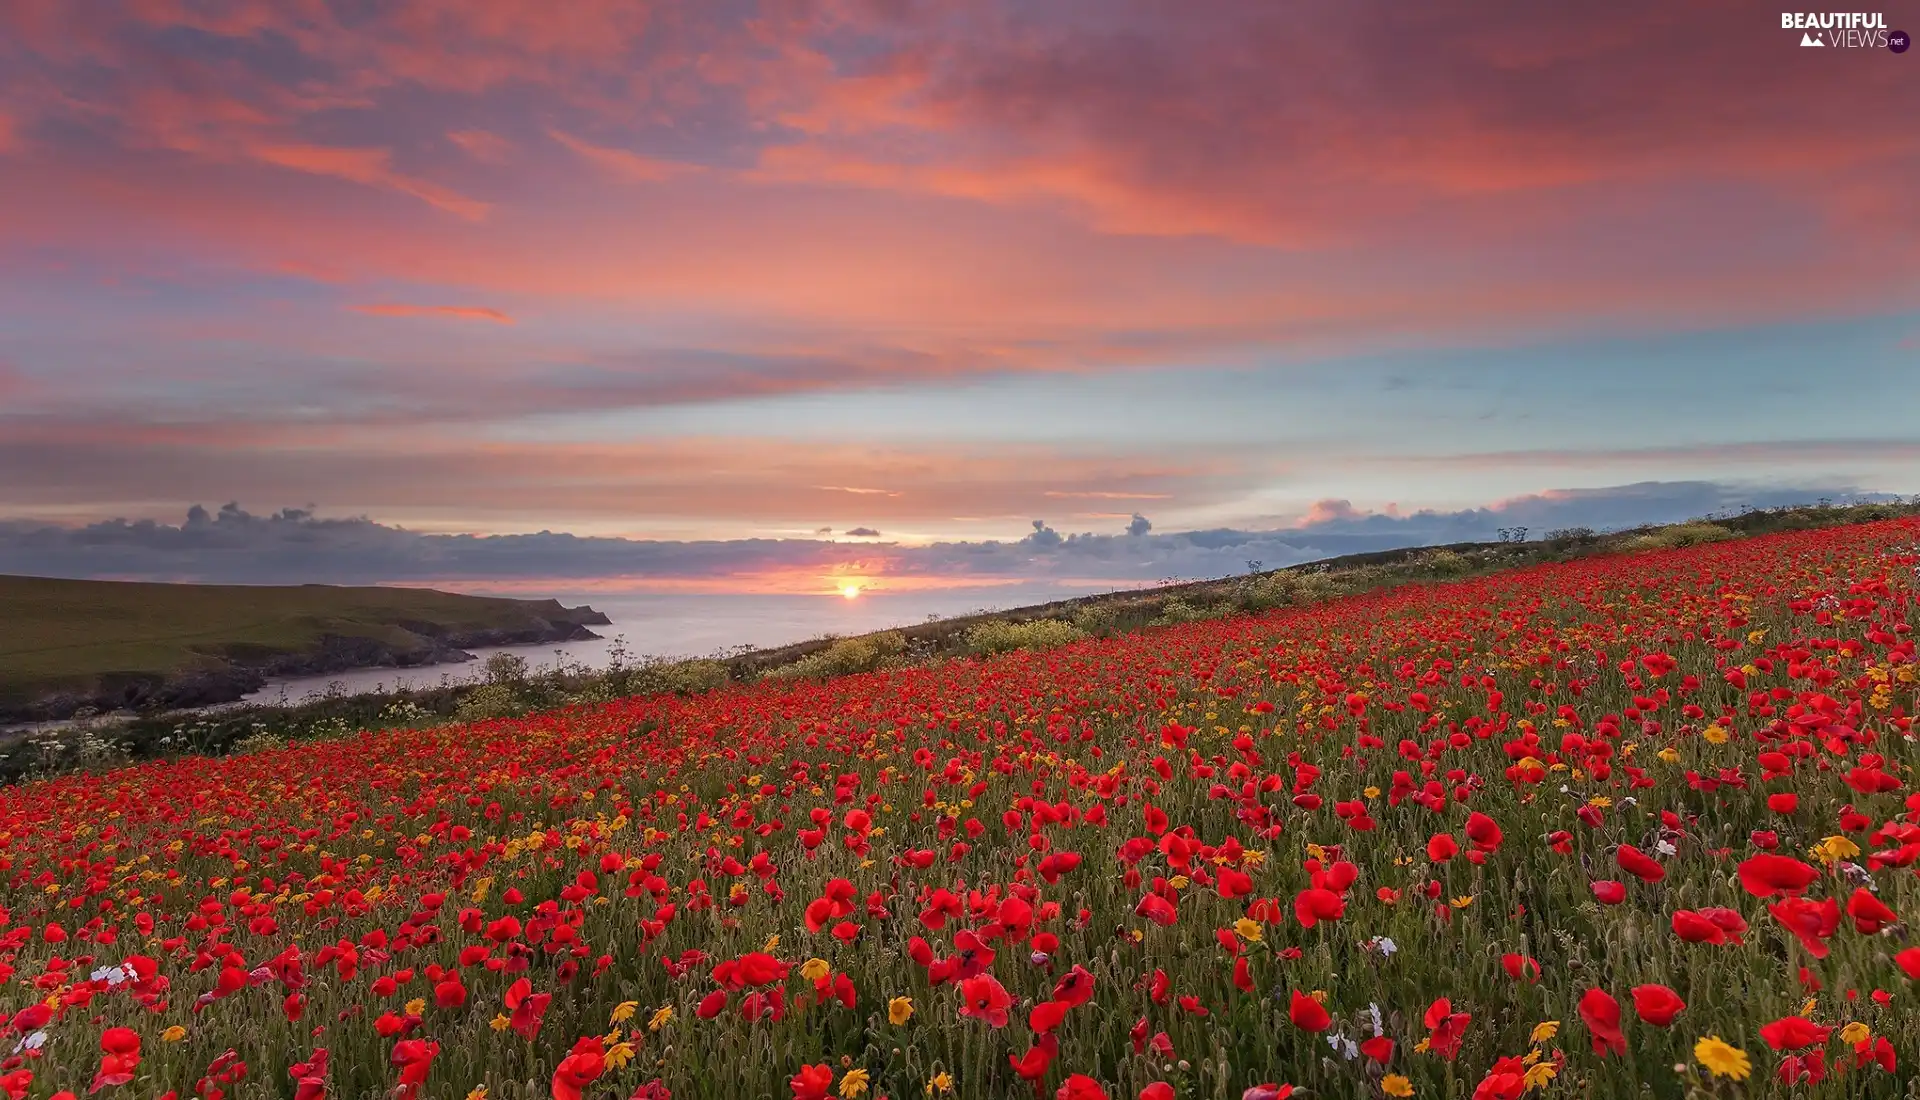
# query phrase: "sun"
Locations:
[[850, 591]]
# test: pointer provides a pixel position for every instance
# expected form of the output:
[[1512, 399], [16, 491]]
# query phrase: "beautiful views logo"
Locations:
[[1845, 29]]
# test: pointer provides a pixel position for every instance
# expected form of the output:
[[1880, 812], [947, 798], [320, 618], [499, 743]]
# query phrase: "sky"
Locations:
[[755, 293]]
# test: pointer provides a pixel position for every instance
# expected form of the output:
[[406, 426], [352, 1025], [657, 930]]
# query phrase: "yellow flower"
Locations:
[[853, 1084], [1249, 930], [815, 969], [173, 1034], [1807, 1007], [1462, 902], [940, 1082], [618, 1055], [1544, 1031], [1421, 1046], [899, 1010], [1600, 801], [1855, 1033], [660, 1018], [415, 1007], [1721, 1059], [1715, 735], [1835, 848], [1539, 1074], [1371, 792], [478, 1092], [1179, 882], [1395, 1085], [500, 1023], [772, 944], [624, 1011], [1670, 754]]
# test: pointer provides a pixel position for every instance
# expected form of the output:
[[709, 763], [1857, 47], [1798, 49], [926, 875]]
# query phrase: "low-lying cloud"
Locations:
[[291, 546]]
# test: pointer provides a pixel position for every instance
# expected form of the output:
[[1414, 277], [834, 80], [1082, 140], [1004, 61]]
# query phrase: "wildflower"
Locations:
[[812, 1082], [173, 1034], [1722, 1059], [1544, 1031], [899, 1010], [660, 1018], [853, 1084], [1601, 1013], [941, 1082], [1308, 1014], [1394, 1084], [618, 1054], [984, 998], [624, 1011], [815, 969], [1656, 1004], [1855, 1033], [1248, 930]]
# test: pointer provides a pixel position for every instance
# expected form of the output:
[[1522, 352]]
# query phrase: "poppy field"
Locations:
[[1631, 824]]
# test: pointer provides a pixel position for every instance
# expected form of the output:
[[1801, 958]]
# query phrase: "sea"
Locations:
[[684, 625]]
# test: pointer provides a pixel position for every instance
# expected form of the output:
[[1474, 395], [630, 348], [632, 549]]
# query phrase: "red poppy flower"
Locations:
[[812, 1082], [1793, 1033], [1869, 913], [1656, 1004], [1765, 875], [1308, 1014], [1639, 864], [1609, 892], [1079, 1086], [1601, 1014], [984, 998]]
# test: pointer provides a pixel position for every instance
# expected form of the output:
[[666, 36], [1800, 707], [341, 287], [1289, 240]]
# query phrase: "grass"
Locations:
[[75, 635]]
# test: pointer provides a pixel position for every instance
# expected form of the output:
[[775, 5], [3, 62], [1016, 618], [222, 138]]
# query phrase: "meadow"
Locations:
[[1633, 824]]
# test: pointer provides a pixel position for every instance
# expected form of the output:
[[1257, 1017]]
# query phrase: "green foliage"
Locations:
[[1003, 637], [845, 657], [1444, 563], [677, 677], [496, 700]]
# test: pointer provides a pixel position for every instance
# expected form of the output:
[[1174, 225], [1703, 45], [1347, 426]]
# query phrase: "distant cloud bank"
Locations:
[[295, 546]]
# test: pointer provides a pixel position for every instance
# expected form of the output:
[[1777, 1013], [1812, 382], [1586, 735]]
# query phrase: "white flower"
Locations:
[[1383, 945], [1666, 848], [1374, 1011], [32, 1042], [112, 975]]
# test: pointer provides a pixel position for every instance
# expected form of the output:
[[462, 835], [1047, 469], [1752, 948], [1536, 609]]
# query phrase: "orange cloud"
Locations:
[[369, 167], [482, 145], [622, 163], [465, 313]]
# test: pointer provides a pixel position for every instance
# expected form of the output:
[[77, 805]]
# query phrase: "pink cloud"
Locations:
[[622, 163], [482, 145], [464, 313], [370, 167]]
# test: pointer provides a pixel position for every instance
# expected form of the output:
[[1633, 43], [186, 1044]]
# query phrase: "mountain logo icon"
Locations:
[[1809, 40]]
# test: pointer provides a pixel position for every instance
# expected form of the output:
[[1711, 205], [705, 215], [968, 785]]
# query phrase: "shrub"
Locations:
[[1002, 637], [844, 657], [1267, 591], [1445, 563], [662, 677]]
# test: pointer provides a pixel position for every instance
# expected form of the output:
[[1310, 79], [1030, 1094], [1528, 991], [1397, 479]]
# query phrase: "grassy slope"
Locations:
[[66, 634]]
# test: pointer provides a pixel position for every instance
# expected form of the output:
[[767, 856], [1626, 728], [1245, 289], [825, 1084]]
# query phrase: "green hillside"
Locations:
[[70, 636]]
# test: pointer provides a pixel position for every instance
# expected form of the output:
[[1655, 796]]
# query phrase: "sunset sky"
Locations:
[[737, 270]]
